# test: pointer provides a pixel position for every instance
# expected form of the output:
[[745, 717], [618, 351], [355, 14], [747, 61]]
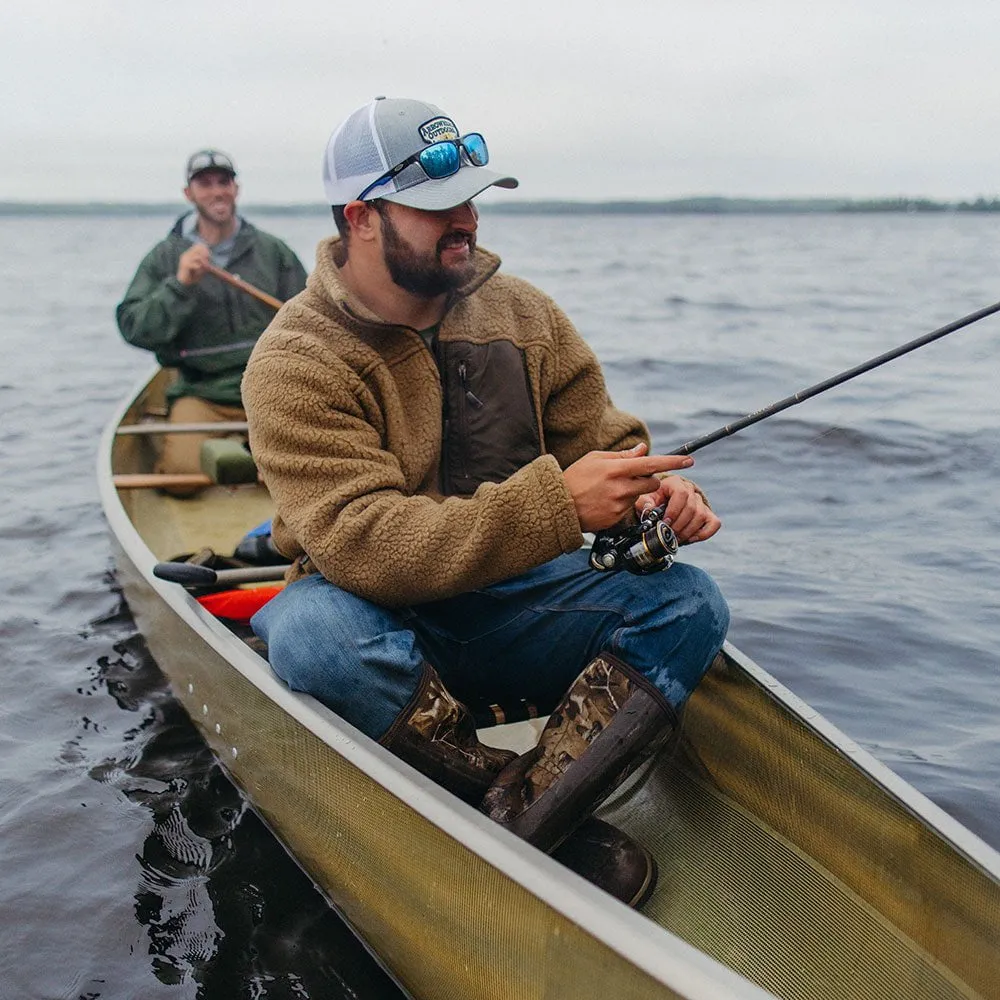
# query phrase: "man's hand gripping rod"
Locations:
[[651, 545]]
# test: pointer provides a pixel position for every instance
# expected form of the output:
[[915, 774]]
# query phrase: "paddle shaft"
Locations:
[[244, 286], [159, 480], [814, 390]]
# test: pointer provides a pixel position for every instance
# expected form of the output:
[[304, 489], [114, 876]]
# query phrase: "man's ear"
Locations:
[[362, 219], [186, 191]]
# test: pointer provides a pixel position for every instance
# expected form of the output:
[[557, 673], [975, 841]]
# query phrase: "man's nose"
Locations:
[[464, 216]]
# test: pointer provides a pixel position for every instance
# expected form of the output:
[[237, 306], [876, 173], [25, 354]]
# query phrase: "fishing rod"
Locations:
[[834, 380], [650, 545]]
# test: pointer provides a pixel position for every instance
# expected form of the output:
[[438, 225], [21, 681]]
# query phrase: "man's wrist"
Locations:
[[179, 288], [690, 482]]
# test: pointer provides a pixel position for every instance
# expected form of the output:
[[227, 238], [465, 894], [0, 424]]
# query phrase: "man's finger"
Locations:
[[645, 501], [648, 465], [645, 485], [634, 452]]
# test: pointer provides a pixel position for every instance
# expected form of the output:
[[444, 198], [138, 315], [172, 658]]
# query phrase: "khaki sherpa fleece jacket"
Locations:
[[351, 419]]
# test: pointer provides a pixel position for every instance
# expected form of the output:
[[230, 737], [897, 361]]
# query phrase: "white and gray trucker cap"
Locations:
[[384, 133]]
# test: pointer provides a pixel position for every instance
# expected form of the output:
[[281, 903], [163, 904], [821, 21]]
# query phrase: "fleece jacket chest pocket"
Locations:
[[490, 425]]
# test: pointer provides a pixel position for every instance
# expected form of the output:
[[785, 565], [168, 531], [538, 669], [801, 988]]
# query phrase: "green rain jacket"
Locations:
[[206, 331]]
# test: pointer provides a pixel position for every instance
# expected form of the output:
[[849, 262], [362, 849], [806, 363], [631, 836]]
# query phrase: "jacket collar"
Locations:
[[241, 242]]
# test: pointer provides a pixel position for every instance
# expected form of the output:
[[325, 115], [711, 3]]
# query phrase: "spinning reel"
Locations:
[[646, 547]]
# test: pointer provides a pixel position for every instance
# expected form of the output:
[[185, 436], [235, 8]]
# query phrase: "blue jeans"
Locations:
[[525, 638]]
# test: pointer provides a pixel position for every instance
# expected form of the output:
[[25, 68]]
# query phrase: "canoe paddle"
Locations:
[[206, 427], [193, 575], [244, 286]]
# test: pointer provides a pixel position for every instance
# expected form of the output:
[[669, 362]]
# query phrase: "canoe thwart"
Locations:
[[159, 480], [487, 714], [163, 427]]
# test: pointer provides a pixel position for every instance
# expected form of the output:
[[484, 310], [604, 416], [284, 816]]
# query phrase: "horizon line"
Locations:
[[690, 203]]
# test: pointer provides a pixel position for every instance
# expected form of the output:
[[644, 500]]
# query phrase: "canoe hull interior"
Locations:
[[770, 838]]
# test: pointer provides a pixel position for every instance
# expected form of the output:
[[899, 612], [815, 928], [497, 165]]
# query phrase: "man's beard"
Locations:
[[208, 214], [420, 274]]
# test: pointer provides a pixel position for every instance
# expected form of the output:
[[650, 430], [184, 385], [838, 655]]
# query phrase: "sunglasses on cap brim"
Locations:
[[439, 160], [210, 161]]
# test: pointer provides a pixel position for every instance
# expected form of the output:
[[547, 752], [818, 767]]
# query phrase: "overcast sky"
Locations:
[[588, 99]]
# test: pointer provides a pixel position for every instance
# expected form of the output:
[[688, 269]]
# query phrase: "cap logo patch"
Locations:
[[438, 129]]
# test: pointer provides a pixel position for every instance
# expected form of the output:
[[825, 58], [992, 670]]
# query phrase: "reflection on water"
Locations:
[[222, 906]]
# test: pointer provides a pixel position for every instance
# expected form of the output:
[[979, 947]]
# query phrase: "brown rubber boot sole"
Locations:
[[606, 857]]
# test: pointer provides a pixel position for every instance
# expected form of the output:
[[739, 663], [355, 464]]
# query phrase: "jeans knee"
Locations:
[[297, 626], [292, 657], [353, 656], [709, 610], [675, 640]]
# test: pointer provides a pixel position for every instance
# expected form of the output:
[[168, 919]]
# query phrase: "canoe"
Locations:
[[792, 863]]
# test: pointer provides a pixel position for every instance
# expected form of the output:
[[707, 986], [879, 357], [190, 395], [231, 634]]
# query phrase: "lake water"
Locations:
[[860, 554]]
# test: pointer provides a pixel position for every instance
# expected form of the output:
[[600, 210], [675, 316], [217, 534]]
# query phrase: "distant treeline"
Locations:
[[706, 205], [732, 206]]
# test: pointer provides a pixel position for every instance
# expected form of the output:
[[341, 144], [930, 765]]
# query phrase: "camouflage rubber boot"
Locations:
[[609, 721], [436, 734]]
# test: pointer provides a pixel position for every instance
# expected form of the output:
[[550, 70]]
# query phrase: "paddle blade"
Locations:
[[186, 574]]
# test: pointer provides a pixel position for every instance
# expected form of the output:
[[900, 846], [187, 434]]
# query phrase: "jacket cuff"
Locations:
[[182, 291], [559, 502]]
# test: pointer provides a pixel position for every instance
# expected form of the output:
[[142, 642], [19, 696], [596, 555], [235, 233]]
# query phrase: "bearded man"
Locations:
[[437, 438], [196, 323]]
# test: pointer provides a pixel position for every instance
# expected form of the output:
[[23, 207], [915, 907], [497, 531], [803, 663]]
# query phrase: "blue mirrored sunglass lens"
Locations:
[[440, 160], [475, 148]]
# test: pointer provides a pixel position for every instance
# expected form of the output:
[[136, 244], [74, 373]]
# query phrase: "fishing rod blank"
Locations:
[[815, 390]]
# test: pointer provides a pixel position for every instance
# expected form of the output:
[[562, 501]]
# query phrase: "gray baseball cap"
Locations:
[[208, 159], [383, 134]]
